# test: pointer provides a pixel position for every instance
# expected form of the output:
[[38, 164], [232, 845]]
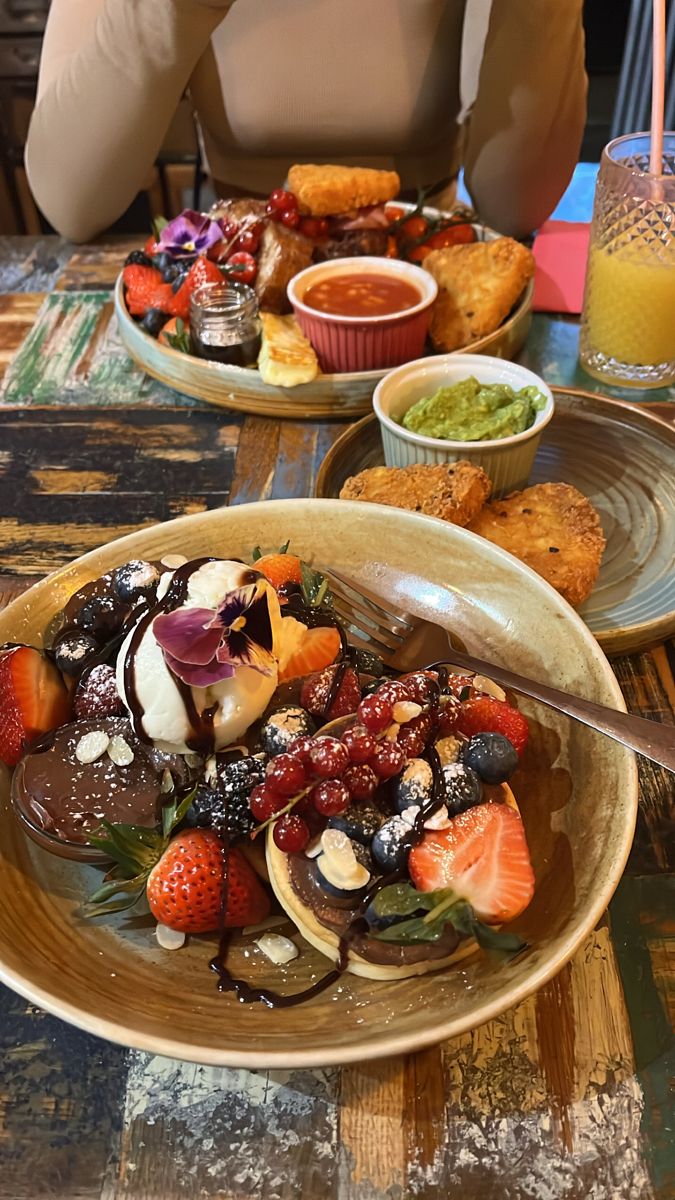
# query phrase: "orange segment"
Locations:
[[318, 649]]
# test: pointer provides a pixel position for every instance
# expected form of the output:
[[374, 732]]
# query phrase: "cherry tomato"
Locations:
[[415, 227], [309, 226], [323, 227], [230, 229], [290, 217], [452, 235], [248, 240], [280, 200], [419, 253], [214, 252], [394, 212], [242, 267]]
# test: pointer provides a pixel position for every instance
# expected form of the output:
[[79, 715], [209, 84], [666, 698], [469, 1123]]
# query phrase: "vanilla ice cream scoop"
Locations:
[[174, 714]]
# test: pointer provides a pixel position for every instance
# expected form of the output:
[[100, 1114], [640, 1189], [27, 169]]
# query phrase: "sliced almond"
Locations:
[[405, 710], [277, 948], [173, 561], [169, 939], [91, 746], [120, 752]]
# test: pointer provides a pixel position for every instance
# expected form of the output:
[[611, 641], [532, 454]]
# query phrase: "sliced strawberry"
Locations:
[[316, 692], [145, 289], [483, 714], [33, 699], [151, 246], [319, 648], [185, 889], [201, 271], [279, 569], [483, 857]]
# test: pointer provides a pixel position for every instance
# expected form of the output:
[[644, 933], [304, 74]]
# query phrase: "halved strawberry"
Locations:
[[33, 699], [279, 569], [319, 648], [483, 857], [185, 888], [483, 714], [201, 271], [146, 289]]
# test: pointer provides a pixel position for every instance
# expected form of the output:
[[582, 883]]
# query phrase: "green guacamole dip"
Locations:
[[470, 411]]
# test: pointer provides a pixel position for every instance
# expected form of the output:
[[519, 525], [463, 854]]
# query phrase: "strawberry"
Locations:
[[201, 271], [483, 857], [279, 569], [185, 889], [151, 246], [483, 714], [316, 689], [145, 289], [33, 699], [319, 648]]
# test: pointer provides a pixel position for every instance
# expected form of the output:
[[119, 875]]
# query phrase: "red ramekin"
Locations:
[[364, 343]]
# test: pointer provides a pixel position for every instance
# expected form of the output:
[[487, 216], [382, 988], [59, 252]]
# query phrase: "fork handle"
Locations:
[[649, 738]]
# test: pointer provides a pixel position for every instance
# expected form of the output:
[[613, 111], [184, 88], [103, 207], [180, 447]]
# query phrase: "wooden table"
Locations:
[[563, 1098]]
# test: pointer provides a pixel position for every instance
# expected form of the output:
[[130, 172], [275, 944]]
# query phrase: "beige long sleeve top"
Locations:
[[371, 82]]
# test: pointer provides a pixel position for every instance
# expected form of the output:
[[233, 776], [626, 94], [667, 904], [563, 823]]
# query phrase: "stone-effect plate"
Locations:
[[577, 791], [622, 457]]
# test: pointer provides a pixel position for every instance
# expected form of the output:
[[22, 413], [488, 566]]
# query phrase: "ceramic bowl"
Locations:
[[507, 461], [577, 792], [364, 343]]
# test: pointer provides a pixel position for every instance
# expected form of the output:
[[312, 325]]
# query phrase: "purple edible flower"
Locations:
[[202, 646], [189, 234]]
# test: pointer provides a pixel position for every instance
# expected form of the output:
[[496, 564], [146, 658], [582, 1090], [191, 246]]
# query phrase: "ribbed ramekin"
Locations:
[[507, 461], [364, 343]]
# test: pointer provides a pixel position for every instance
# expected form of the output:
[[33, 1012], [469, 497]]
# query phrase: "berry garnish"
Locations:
[[328, 757], [291, 833], [145, 289], [135, 580], [483, 714], [360, 780], [264, 803], [285, 775], [290, 217], [202, 271], [33, 699], [448, 715], [389, 760], [415, 785], [491, 755], [301, 747], [390, 846], [242, 267], [423, 686], [97, 694], [360, 822], [280, 201], [375, 713], [360, 743], [395, 691], [74, 651], [463, 788], [185, 889], [330, 797], [224, 805], [483, 857], [102, 616], [281, 728], [316, 693], [280, 568]]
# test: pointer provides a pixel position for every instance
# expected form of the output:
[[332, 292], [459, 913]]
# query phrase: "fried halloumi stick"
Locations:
[[324, 191], [452, 491], [553, 529], [478, 285]]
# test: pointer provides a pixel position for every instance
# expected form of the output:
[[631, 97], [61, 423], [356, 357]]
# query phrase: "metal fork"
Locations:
[[404, 641]]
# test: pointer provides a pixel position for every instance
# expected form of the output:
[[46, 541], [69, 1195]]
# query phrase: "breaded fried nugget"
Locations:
[[553, 529], [329, 191], [478, 285], [453, 491]]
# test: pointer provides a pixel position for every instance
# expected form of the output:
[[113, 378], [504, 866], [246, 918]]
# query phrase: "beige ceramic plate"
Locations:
[[623, 458], [342, 396], [577, 792]]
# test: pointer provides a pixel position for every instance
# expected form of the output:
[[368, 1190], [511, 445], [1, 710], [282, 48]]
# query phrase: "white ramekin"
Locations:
[[364, 343], [507, 461]]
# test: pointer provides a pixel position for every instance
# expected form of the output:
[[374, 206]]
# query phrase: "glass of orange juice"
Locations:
[[628, 318]]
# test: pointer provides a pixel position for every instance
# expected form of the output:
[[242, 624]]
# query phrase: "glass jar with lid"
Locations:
[[224, 323]]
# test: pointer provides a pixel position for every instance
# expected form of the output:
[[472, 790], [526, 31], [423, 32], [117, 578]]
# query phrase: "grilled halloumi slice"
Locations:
[[286, 357]]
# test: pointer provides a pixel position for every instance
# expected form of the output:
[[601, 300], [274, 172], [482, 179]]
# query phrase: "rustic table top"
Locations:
[[563, 1098]]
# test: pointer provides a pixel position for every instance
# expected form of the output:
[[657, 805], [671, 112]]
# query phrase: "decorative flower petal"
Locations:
[[188, 635], [247, 610], [190, 233], [242, 651], [199, 676]]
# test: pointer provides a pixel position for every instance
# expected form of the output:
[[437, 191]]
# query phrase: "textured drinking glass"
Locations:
[[628, 320]]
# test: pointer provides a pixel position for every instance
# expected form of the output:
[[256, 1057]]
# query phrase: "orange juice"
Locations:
[[629, 306]]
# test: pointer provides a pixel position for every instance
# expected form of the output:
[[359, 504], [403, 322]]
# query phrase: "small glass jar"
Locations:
[[224, 323]]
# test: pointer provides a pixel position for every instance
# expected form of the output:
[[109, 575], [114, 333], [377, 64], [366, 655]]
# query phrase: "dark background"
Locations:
[[21, 26]]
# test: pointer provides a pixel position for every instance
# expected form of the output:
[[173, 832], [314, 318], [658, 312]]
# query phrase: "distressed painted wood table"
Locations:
[[565, 1097]]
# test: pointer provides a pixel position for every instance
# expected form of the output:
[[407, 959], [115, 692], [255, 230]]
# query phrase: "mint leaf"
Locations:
[[158, 225], [315, 588], [402, 899], [173, 814], [414, 931]]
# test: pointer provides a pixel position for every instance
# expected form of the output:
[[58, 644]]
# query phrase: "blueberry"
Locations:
[[391, 845], [135, 580], [178, 279], [154, 321], [367, 663], [360, 822], [414, 785], [74, 651], [350, 895], [102, 616], [163, 261], [490, 755], [138, 258], [280, 728], [463, 788]]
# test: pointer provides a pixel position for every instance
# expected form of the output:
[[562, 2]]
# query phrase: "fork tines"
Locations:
[[370, 624]]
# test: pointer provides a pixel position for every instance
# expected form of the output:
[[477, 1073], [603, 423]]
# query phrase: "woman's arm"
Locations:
[[111, 77], [527, 122]]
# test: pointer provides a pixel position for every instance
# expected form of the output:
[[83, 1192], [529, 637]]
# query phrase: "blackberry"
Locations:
[[139, 258], [223, 804]]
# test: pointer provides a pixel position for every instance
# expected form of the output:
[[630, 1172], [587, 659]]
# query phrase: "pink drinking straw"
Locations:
[[658, 87]]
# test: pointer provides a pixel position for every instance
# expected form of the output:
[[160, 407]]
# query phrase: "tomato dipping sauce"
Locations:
[[362, 295]]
